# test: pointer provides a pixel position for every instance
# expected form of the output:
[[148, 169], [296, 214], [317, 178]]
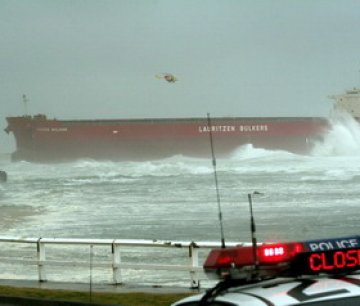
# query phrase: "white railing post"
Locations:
[[41, 258], [116, 261], [111, 261], [194, 258]]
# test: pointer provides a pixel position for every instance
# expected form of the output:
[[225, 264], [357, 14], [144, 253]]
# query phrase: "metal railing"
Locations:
[[114, 249]]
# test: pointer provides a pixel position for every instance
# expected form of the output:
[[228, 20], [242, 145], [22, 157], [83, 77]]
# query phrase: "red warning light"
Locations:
[[271, 253], [276, 255], [287, 259], [224, 258], [279, 252]]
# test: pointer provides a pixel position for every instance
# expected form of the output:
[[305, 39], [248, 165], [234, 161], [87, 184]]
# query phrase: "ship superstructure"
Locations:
[[348, 102]]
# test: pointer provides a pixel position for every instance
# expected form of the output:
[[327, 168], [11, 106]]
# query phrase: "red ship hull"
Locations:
[[41, 139]]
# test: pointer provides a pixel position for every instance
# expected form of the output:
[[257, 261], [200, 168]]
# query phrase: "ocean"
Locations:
[[301, 197]]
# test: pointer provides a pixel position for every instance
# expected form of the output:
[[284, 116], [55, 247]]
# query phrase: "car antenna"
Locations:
[[216, 182], [253, 229]]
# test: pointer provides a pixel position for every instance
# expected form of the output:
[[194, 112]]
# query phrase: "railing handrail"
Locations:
[[123, 242], [117, 264]]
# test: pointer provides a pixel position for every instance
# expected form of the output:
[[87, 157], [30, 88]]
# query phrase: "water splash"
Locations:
[[248, 152], [343, 139]]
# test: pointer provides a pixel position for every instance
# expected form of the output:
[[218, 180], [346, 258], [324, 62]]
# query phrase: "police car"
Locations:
[[322, 272]]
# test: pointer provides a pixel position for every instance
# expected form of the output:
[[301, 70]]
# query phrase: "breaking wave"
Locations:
[[343, 138], [248, 152]]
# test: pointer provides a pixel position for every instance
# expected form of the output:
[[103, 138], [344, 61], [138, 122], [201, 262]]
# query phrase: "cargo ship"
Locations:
[[40, 139]]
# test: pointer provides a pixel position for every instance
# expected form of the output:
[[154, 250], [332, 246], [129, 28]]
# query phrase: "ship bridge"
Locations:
[[348, 102]]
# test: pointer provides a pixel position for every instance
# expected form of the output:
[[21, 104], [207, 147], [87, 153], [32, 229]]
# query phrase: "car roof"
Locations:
[[287, 291]]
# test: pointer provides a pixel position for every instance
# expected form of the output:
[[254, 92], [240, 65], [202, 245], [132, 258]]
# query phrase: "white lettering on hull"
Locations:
[[253, 128], [232, 128], [217, 128], [46, 129]]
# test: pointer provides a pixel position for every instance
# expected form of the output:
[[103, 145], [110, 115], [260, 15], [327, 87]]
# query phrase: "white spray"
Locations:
[[343, 138]]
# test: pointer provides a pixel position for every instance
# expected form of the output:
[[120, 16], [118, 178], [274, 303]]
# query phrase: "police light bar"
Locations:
[[329, 256]]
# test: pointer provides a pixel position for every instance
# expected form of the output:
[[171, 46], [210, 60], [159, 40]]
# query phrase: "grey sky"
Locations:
[[98, 59]]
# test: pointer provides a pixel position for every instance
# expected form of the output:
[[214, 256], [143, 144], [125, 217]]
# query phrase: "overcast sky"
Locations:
[[98, 59]]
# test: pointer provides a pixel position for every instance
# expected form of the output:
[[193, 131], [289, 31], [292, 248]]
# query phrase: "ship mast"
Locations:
[[25, 101]]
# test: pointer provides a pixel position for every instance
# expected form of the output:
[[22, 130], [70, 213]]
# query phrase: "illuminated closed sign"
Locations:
[[330, 261], [334, 261], [328, 256]]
